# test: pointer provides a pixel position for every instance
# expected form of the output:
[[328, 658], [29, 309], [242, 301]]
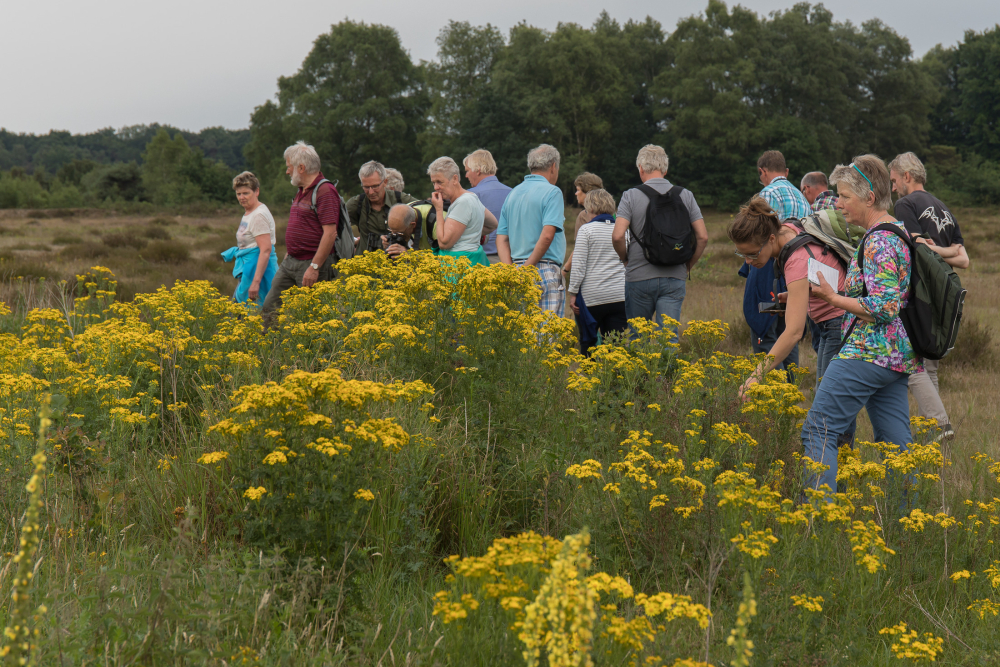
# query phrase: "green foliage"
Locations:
[[817, 90], [357, 97]]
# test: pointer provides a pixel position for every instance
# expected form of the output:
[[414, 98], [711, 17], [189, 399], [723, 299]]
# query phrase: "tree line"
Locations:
[[142, 163], [719, 90]]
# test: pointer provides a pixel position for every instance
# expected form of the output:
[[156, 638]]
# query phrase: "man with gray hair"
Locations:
[[930, 222], [655, 291], [530, 230], [816, 190], [369, 211], [312, 228]]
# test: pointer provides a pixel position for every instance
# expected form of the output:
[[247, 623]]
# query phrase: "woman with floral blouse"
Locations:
[[877, 359]]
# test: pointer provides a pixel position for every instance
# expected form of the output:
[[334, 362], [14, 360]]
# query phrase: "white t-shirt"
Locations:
[[469, 211], [255, 224]]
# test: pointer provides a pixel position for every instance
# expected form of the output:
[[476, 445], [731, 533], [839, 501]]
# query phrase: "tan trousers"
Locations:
[[924, 387]]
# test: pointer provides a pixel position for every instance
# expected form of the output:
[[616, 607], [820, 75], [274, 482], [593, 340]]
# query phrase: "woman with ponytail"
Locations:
[[759, 237]]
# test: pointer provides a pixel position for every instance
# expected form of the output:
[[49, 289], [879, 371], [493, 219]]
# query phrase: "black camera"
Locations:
[[771, 308], [395, 238]]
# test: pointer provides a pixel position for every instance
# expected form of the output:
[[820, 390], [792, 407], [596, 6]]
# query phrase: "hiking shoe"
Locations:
[[947, 433]]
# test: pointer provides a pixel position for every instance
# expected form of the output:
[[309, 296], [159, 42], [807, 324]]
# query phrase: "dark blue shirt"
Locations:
[[493, 194], [760, 284]]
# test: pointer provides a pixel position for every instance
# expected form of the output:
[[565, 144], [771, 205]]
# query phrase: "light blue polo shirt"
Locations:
[[529, 207]]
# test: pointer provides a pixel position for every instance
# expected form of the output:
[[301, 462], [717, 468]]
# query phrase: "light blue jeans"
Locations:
[[849, 385], [655, 299]]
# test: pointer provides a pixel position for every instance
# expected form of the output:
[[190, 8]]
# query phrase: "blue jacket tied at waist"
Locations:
[[245, 269]]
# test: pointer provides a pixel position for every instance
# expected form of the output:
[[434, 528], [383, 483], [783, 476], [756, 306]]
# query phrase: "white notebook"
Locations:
[[815, 267]]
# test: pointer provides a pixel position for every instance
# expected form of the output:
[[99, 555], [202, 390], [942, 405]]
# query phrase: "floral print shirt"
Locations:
[[887, 276]]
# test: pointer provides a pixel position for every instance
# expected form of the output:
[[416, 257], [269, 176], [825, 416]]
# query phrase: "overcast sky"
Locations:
[[80, 66]]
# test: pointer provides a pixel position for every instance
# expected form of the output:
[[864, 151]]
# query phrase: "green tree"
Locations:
[[968, 79], [817, 90], [162, 175], [462, 75], [357, 97]]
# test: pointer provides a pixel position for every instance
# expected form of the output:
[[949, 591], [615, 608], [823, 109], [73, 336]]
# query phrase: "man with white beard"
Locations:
[[312, 228]]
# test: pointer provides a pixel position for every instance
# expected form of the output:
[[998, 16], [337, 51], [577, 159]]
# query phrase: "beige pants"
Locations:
[[924, 387]]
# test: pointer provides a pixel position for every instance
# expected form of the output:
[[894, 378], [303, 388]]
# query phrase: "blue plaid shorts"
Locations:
[[553, 289]]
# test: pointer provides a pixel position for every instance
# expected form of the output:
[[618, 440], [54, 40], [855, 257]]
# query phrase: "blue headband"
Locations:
[[870, 186]]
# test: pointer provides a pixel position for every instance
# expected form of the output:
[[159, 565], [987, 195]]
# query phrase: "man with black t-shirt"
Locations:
[[931, 223]]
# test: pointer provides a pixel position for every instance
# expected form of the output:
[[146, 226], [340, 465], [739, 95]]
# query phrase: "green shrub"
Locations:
[[66, 239], [28, 270], [123, 240], [31, 246], [974, 346], [86, 250], [163, 222], [167, 252], [156, 233]]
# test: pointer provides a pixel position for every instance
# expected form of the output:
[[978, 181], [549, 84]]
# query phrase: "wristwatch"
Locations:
[[314, 266]]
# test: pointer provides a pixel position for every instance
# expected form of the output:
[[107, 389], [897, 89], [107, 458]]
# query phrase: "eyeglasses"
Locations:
[[752, 257], [371, 188]]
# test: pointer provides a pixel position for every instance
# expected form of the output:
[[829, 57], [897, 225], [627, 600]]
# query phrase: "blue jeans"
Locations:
[[763, 344], [815, 333], [655, 299], [849, 385], [826, 335]]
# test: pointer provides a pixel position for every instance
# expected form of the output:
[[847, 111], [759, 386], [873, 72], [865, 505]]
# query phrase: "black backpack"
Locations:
[[933, 311], [667, 237]]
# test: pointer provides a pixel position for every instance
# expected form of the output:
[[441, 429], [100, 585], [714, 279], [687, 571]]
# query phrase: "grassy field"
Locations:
[[219, 495]]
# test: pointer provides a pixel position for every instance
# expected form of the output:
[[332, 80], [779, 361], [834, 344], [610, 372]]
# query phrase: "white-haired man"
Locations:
[[654, 291], [931, 223], [370, 212], [531, 226], [480, 171], [311, 230]]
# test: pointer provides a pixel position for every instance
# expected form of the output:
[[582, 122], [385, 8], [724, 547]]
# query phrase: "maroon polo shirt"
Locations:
[[305, 227]]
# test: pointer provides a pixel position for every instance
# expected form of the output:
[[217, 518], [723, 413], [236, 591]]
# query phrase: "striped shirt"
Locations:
[[305, 226], [597, 269]]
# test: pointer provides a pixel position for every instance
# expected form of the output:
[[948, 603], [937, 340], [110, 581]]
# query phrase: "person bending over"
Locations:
[[402, 222], [760, 237]]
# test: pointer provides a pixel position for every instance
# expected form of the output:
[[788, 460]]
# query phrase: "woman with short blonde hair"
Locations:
[[255, 259], [460, 230], [874, 364], [597, 279]]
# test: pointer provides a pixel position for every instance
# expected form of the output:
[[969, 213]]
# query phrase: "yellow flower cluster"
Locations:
[[558, 615], [589, 468], [813, 604], [908, 644]]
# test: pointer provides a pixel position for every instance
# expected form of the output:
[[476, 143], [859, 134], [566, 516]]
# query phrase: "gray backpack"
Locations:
[[343, 247]]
